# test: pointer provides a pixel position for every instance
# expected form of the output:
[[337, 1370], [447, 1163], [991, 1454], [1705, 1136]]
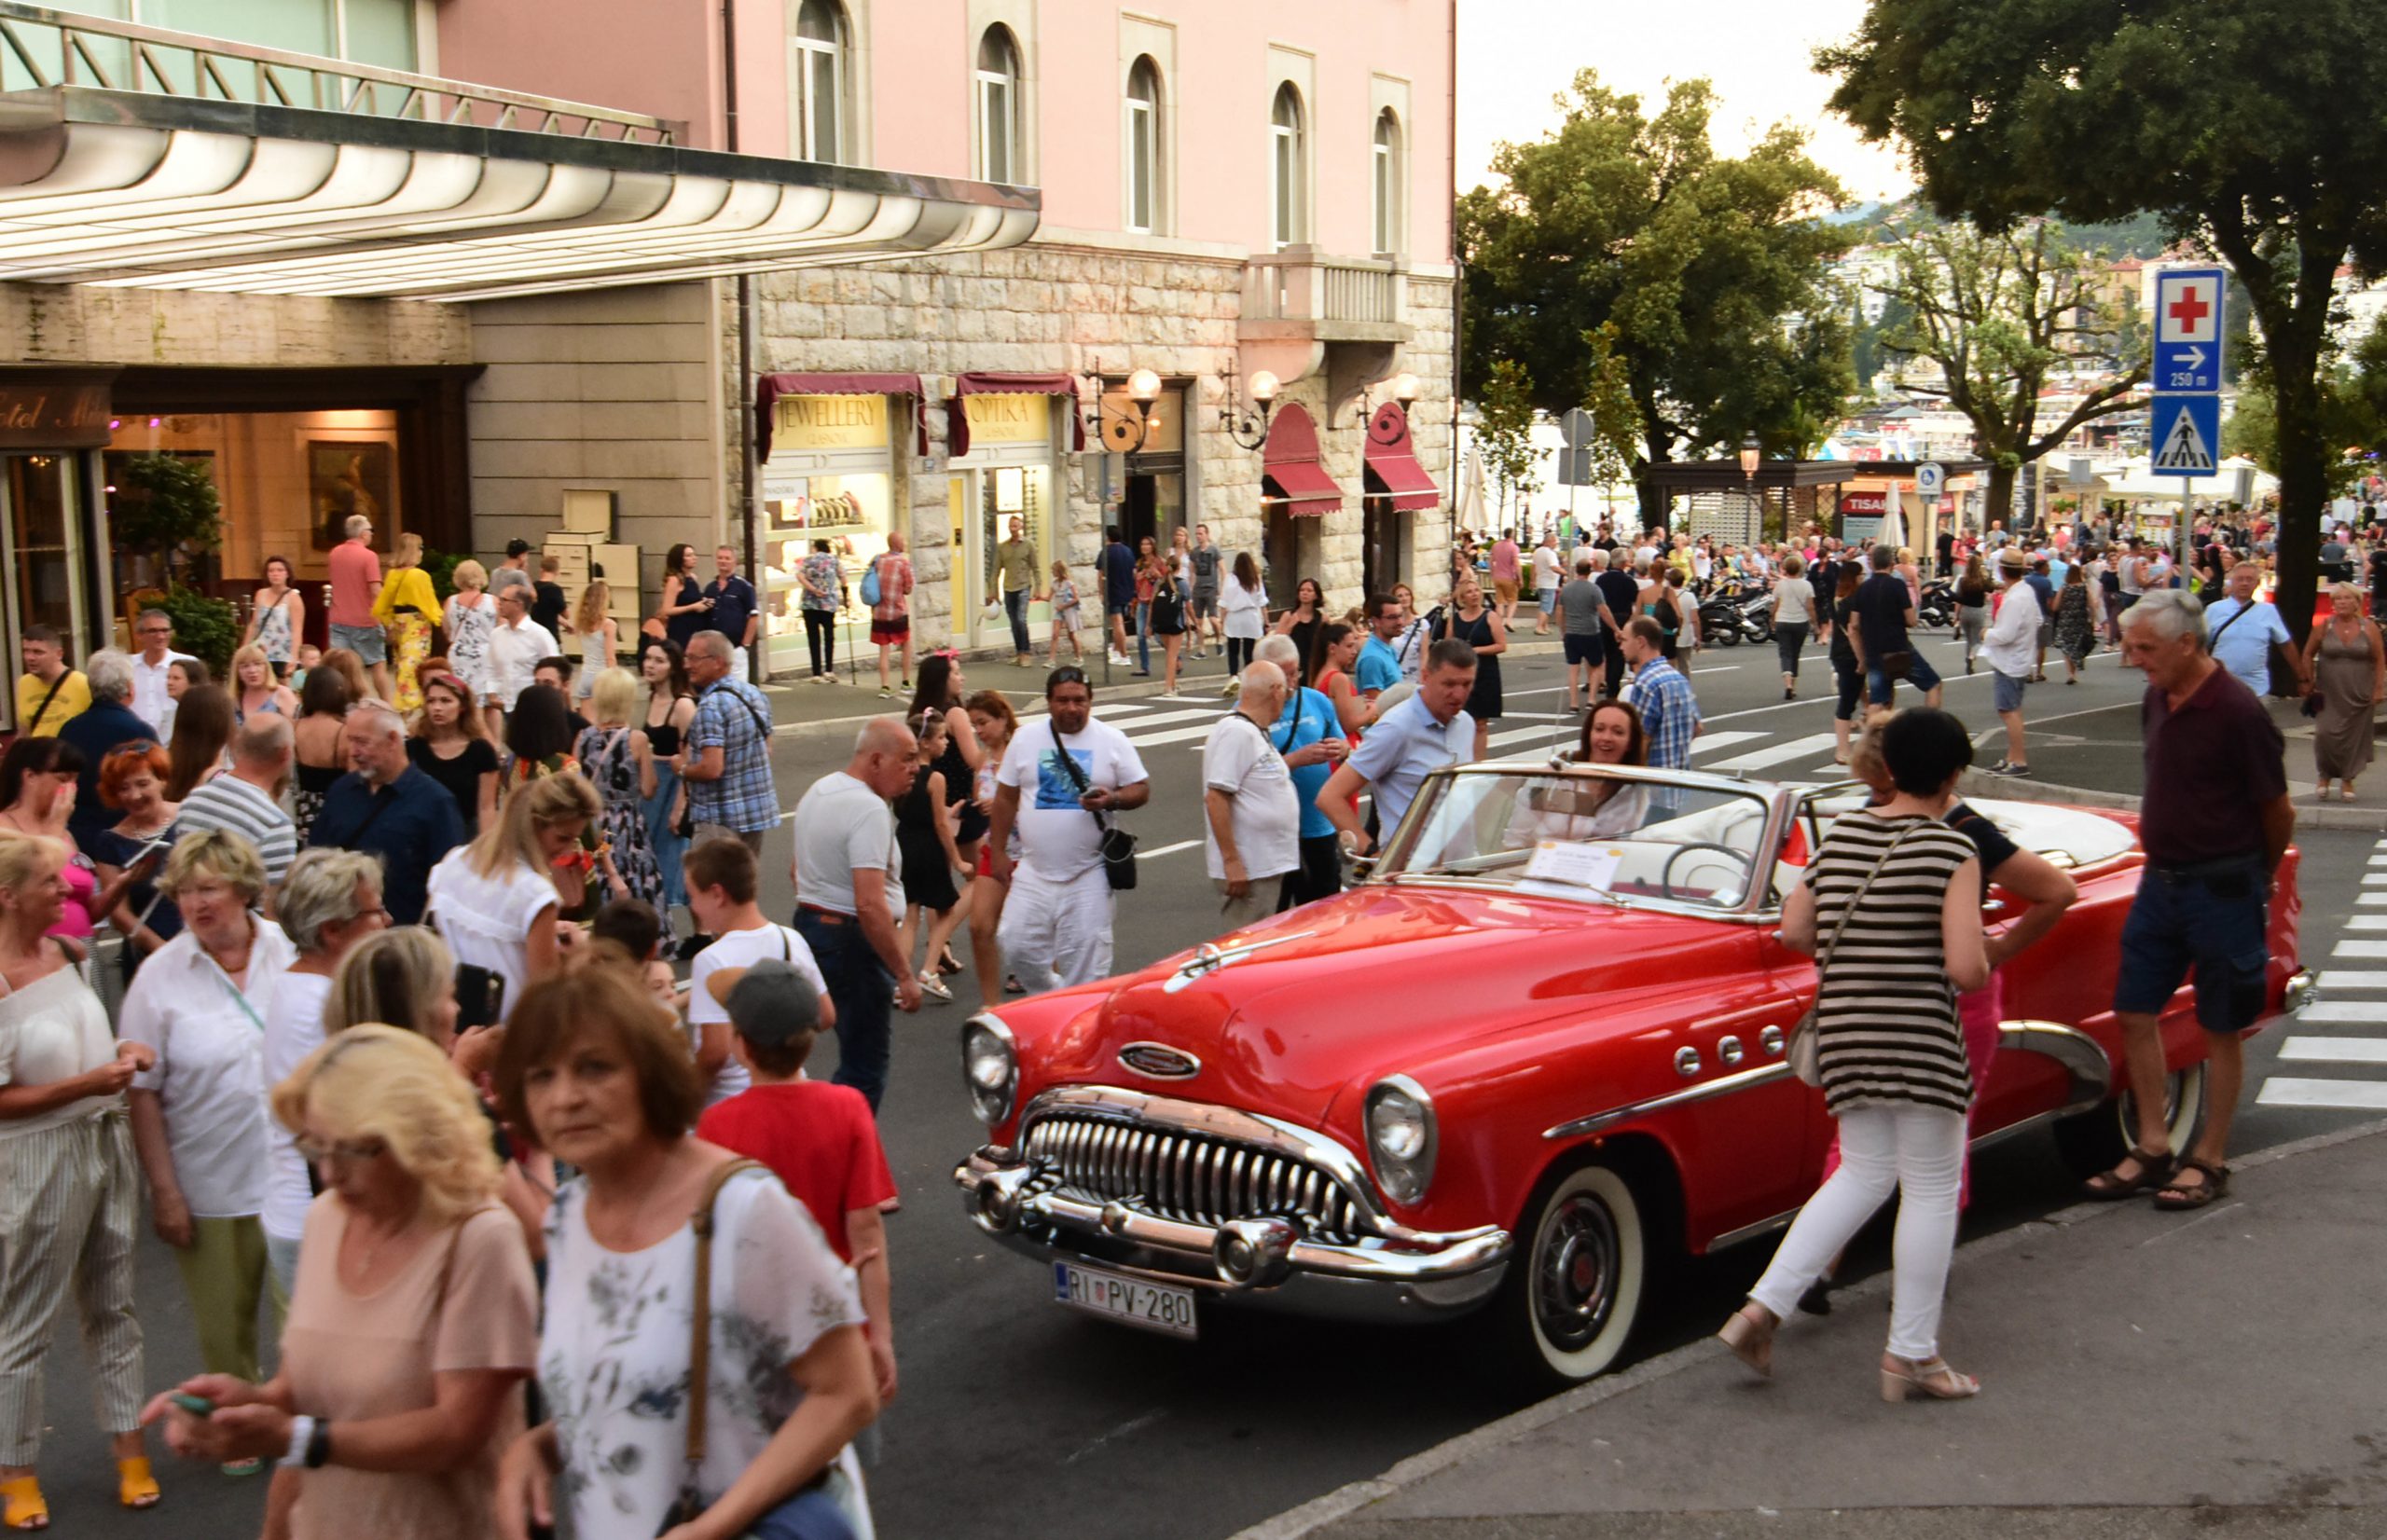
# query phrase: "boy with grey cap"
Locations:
[[818, 1137]]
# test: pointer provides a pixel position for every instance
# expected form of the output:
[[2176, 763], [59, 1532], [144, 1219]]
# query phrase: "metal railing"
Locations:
[[40, 47], [1299, 283]]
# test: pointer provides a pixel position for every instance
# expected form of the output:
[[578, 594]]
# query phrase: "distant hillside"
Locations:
[[2142, 236]]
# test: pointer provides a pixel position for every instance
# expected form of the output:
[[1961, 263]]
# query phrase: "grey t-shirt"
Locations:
[[842, 826], [1205, 569], [1580, 600]]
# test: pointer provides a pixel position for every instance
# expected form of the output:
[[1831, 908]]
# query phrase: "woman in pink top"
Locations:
[[415, 1316]]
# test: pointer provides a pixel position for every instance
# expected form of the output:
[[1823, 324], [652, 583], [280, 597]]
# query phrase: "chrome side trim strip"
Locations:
[[1750, 1232], [2081, 1055], [1748, 1079]]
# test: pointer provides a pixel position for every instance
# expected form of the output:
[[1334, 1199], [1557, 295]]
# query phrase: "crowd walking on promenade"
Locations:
[[453, 1027]]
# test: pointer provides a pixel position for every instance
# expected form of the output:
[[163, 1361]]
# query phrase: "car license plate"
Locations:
[[1155, 1307]]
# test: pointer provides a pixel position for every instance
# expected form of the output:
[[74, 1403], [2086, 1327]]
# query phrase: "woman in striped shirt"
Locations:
[[1892, 907]]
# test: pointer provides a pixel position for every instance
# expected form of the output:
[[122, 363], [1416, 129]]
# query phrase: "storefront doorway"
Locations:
[[1384, 553], [41, 521], [1007, 475]]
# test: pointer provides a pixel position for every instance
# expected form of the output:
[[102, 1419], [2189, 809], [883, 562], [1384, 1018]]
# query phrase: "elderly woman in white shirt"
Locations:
[[199, 1113]]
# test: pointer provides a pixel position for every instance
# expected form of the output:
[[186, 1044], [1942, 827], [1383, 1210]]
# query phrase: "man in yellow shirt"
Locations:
[[49, 694]]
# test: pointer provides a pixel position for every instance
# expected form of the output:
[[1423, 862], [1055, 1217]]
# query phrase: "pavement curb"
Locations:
[[1316, 1515]]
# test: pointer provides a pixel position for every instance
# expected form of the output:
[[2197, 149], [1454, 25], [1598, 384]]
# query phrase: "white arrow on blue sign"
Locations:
[[2188, 330], [2186, 435]]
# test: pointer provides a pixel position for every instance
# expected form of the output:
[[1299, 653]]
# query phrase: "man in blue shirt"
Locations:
[[1669, 713], [389, 808], [1308, 734], [2241, 633], [1118, 589], [98, 731], [726, 758], [1422, 734], [1379, 665], [735, 612]]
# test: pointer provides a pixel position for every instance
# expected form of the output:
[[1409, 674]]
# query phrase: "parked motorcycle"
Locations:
[[1937, 608]]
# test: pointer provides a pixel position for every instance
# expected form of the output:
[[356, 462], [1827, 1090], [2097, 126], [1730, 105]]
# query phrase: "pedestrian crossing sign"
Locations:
[[2186, 435]]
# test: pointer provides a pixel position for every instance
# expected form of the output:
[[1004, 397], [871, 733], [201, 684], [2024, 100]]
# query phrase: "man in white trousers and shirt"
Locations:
[[2011, 649], [1056, 927]]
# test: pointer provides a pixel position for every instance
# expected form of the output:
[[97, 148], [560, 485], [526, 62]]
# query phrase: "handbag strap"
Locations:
[[700, 1309], [1077, 777], [1823, 957]]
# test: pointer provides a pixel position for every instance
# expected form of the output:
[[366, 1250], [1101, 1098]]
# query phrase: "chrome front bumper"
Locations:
[[1265, 1263]]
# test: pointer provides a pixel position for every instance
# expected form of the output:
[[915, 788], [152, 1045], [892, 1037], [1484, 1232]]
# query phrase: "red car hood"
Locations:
[[1384, 980]]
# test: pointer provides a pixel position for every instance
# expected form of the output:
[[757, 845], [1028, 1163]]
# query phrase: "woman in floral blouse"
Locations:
[[593, 1066], [823, 584]]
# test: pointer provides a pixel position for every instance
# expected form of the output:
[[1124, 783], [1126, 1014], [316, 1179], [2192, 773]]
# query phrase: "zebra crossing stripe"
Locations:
[[1708, 743], [2344, 1095], [2352, 978], [2370, 923], [2372, 950], [2334, 1050], [2363, 1012], [1816, 743], [1173, 734]]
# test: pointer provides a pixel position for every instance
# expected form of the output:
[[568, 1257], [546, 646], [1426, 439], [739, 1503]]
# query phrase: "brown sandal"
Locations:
[[2179, 1199], [2108, 1186]]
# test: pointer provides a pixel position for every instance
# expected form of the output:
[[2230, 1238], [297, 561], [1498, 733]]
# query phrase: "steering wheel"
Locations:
[[1665, 874]]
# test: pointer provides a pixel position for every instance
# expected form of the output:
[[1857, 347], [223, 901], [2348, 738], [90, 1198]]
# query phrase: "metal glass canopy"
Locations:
[[136, 189]]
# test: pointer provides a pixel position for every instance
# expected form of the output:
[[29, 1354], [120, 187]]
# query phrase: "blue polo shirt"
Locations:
[[733, 606], [2244, 648], [1379, 665], [411, 824], [1404, 747], [1305, 719]]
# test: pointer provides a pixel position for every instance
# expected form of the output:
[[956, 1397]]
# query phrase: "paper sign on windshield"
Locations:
[[1574, 862]]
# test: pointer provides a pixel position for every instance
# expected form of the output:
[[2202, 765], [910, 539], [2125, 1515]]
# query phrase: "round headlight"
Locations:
[[989, 1068], [1398, 1125]]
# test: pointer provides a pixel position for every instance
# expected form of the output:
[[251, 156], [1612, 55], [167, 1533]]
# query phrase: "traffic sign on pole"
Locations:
[[2186, 435], [1930, 479], [1576, 433], [2188, 330]]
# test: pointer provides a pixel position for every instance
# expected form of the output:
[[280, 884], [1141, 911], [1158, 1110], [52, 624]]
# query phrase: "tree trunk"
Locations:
[[2303, 491], [2000, 501]]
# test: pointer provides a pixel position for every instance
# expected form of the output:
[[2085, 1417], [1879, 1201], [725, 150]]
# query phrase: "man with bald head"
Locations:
[[850, 892], [248, 801], [1251, 815]]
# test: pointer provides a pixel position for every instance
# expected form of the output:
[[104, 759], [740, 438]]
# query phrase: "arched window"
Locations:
[[997, 107], [1288, 163], [1143, 148], [816, 75], [1387, 182]]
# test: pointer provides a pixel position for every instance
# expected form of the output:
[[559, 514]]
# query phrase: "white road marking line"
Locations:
[[1173, 734], [2366, 1012], [1709, 742], [2374, 879], [2359, 949], [2372, 900], [1202, 712], [1554, 735], [1825, 701], [1720, 668], [2334, 1050], [2352, 978], [2345, 1095], [2372, 923], [1776, 753], [1167, 849]]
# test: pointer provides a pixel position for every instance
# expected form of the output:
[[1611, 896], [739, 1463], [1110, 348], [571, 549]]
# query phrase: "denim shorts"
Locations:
[[1919, 673], [1548, 597], [2007, 689], [364, 640], [2211, 918]]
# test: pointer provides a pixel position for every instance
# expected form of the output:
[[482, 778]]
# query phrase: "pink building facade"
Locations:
[[1016, 207]]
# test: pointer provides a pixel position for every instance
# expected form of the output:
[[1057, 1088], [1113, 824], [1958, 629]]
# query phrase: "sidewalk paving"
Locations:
[[2144, 1374]]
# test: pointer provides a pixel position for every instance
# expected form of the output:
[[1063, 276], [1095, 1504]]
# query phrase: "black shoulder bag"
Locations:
[[1118, 845]]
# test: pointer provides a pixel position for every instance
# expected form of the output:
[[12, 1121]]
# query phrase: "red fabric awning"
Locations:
[[769, 388], [1291, 465], [989, 382], [1392, 459]]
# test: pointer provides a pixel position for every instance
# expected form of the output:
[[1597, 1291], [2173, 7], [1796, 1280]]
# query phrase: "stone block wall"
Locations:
[[74, 323]]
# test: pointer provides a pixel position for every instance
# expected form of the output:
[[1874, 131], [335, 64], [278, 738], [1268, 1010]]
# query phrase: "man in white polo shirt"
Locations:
[[1252, 823], [849, 894]]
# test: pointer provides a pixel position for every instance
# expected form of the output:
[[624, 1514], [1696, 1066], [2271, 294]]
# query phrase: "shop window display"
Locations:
[[851, 512]]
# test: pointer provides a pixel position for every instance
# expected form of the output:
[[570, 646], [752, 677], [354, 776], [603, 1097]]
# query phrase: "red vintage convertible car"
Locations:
[[1538, 1050]]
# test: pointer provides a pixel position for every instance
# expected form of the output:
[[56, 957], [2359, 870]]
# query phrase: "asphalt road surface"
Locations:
[[1017, 1417]]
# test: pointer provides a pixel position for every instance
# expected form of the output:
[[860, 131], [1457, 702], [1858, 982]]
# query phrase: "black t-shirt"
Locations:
[[460, 776], [1990, 841], [546, 605], [1880, 603], [1624, 594], [1842, 652]]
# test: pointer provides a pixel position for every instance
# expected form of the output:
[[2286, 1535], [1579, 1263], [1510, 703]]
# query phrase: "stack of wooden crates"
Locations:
[[585, 549]]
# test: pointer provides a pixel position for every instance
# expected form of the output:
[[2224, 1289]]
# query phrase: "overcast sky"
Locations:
[[1515, 55]]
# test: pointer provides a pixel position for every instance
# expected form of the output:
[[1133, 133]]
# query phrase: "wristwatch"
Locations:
[[319, 1444]]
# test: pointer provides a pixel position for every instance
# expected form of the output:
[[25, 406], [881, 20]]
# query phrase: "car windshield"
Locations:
[[1583, 833]]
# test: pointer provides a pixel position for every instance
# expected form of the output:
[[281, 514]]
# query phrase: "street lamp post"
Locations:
[[1117, 433], [1249, 426], [1751, 452]]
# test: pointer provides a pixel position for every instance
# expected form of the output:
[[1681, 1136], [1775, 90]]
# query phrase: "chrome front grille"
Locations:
[[1194, 1177]]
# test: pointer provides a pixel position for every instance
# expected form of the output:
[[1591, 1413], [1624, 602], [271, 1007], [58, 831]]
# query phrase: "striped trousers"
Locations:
[[70, 1199]]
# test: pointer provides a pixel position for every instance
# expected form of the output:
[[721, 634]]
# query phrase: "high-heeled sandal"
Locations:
[[22, 1503], [136, 1484], [1929, 1378], [1750, 1339]]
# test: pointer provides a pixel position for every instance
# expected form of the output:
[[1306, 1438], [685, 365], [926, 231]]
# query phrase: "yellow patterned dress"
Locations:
[[404, 609]]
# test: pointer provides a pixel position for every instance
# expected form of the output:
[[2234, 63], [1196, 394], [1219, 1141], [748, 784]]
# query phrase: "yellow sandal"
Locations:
[[24, 1507], [136, 1485]]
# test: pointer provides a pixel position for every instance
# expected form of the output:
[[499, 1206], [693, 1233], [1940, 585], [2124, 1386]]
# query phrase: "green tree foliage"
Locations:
[[2251, 128], [2354, 412], [168, 507], [209, 629], [1995, 316], [1709, 274], [1504, 433]]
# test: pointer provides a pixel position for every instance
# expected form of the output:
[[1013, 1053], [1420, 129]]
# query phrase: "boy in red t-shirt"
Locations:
[[818, 1137]]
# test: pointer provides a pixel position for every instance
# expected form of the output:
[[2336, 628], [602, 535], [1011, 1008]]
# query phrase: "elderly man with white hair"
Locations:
[[389, 808], [1309, 736], [848, 876], [1063, 780], [107, 725], [1252, 816]]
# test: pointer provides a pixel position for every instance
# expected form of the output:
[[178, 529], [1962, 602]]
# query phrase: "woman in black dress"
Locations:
[[1302, 621], [683, 608], [450, 745], [924, 825], [1479, 625], [941, 691]]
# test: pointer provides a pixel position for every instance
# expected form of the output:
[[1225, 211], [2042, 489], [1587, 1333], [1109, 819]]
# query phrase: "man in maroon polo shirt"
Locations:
[[2215, 822]]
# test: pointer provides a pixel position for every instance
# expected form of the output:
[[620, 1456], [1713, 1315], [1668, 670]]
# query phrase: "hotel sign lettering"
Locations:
[[830, 422], [54, 415]]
